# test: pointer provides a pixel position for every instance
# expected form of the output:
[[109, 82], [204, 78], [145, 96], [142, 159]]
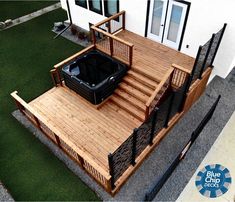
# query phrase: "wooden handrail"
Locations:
[[67, 60], [110, 18], [181, 68], [111, 36], [64, 138], [159, 87]]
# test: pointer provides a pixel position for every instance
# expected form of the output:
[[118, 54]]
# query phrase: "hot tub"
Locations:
[[94, 75]]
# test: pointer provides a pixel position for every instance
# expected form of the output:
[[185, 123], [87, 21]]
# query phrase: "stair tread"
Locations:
[[134, 92], [141, 87], [130, 99], [141, 71], [128, 107], [143, 79]]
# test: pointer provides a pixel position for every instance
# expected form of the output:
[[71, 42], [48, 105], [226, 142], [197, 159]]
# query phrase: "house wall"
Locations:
[[205, 18]]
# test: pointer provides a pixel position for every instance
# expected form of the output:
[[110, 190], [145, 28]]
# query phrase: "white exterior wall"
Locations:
[[205, 18]]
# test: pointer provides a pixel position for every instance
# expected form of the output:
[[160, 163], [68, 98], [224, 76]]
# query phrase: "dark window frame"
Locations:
[[94, 9], [78, 3], [106, 8]]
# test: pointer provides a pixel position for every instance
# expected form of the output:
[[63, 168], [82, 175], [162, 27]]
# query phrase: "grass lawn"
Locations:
[[15, 9], [27, 168]]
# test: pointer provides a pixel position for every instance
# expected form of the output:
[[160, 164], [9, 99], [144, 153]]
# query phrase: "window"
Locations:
[[96, 6], [82, 3], [111, 7]]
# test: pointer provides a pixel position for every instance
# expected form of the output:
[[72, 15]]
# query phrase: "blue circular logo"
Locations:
[[213, 180]]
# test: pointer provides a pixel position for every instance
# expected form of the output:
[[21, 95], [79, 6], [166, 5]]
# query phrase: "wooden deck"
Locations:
[[153, 58], [96, 132], [99, 132]]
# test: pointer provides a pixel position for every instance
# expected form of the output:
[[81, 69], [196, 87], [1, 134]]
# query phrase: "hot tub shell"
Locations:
[[111, 71]]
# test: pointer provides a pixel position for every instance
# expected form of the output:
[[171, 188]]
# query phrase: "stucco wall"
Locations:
[[205, 17]]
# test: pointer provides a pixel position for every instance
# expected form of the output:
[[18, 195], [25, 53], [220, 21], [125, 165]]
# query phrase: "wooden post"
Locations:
[[20, 106], [58, 76], [146, 112], [111, 46], [57, 140], [37, 122], [111, 170], [134, 147], [53, 77], [109, 185], [130, 55], [124, 21], [93, 36], [81, 160], [153, 125]]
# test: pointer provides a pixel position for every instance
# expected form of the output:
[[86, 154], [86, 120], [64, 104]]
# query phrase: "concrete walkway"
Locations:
[[153, 167], [35, 14], [222, 152]]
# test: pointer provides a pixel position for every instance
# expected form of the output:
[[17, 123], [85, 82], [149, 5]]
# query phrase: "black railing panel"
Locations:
[[161, 181], [122, 158], [143, 136]]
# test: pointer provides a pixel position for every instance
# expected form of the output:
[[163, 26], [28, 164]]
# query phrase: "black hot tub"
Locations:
[[94, 75]]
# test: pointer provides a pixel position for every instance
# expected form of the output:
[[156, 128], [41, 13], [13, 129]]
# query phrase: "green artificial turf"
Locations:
[[27, 168], [15, 9]]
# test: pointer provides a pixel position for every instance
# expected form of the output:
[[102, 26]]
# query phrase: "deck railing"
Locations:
[[158, 93], [92, 168], [105, 40]]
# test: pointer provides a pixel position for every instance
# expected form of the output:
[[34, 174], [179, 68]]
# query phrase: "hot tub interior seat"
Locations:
[[93, 69]]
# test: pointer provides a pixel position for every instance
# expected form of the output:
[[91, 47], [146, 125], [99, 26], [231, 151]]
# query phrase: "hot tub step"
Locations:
[[131, 109]]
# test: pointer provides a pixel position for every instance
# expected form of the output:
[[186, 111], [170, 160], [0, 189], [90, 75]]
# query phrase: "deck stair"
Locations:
[[133, 93]]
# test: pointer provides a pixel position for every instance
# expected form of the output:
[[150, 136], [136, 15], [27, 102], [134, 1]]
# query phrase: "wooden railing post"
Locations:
[[153, 125], [134, 147], [130, 55], [81, 160], [53, 77], [19, 106], [111, 46], [146, 112], [111, 170], [124, 21], [58, 141], [37, 122], [93, 36]]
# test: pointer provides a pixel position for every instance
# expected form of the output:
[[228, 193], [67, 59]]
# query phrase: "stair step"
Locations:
[[139, 86], [143, 79], [134, 92], [127, 97], [123, 113], [145, 73], [128, 107]]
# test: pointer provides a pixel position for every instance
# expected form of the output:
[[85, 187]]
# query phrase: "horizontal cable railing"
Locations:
[[102, 176], [105, 40]]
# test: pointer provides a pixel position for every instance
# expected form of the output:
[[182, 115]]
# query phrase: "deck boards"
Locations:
[[101, 131], [89, 128], [154, 58]]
